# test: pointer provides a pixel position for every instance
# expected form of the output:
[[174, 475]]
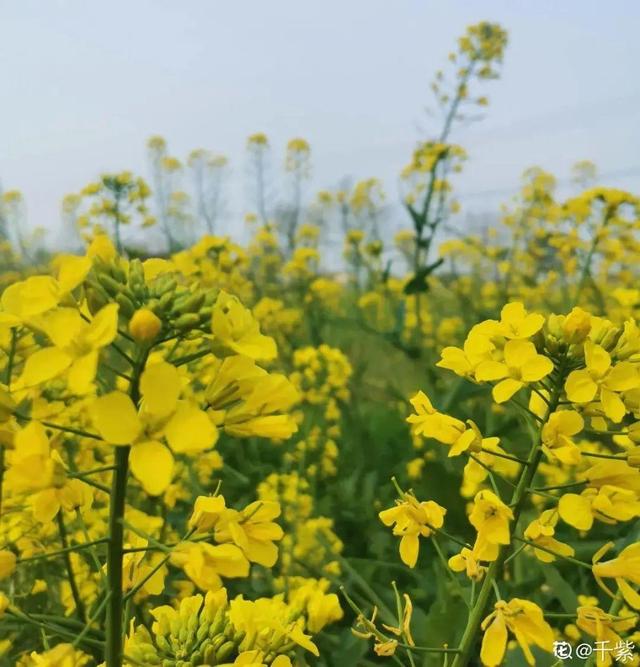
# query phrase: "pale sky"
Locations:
[[84, 83]]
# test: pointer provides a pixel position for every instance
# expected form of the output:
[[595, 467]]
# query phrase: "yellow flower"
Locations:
[[26, 299], [263, 620], [4, 605], [8, 562], [576, 326], [604, 628], [187, 428], [541, 531], [490, 517], [430, 423], [624, 569], [608, 504], [310, 597], [36, 470], [601, 379], [256, 658], [386, 648], [516, 323], [467, 561], [522, 364], [258, 412], [206, 512], [556, 436], [205, 564], [477, 348], [235, 329], [76, 348], [62, 655], [145, 325], [411, 519], [253, 531], [524, 620]]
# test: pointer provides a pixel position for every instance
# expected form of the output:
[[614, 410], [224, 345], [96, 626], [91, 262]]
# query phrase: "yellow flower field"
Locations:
[[226, 454]]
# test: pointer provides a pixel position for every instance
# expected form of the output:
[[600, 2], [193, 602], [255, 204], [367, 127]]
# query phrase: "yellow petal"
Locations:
[[623, 377], [491, 370], [82, 373], [152, 465], [579, 387], [576, 511], [190, 429], [505, 389], [494, 642], [409, 548], [631, 596], [536, 368], [63, 326], [116, 419], [104, 327], [518, 352], [31, 297], [160, 388], [73, 270], [612, 405], [597, 358], [44, 365]]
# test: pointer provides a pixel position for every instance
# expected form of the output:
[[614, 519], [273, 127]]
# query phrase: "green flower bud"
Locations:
[[225, 651], [127, 308], [110, 285], [186, 322], [118, 274]]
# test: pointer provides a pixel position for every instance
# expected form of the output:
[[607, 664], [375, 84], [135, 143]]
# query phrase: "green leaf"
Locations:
[[561, 589]]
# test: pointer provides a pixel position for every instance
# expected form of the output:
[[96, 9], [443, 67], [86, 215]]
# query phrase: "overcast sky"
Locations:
[[85, 82]]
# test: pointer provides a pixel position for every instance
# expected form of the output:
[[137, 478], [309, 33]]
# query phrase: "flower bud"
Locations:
[[7, 563], [144, 325], [576, 326], [633, 457], [225, 651]]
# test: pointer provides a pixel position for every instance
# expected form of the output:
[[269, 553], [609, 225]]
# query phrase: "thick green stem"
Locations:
[[114, 559], [115, 554], [518, 499]]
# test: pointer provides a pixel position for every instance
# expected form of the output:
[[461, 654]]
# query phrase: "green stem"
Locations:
[[114, 559], [53, 554], [75, 592], [518, 499], [115, 554]]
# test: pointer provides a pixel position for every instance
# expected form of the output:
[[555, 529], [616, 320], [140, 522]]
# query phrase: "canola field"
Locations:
[[237, 454]]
